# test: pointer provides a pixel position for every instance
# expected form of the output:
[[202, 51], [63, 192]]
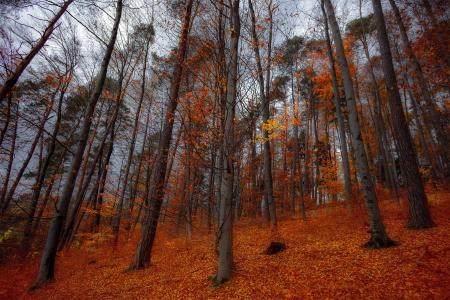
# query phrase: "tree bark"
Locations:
[[42, 174], [225, 230], [419, 213], [265, 102], [28, 158], [253, 167], [7, 120], [379, 237], [103, 177], [141, 159], [432, 112], [12, 151], [116, 225], [339, 115], [152, 213], [47, 265], [14, 77]]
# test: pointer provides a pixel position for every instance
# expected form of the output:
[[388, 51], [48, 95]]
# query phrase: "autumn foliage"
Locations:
[[256, 149], [323, 258]]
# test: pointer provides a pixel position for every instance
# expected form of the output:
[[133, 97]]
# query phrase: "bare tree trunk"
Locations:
[[420, 132], [91, 201], [14, 77], [171, 160], [117, 216], [379, 237], [379, 123], [116, 226], [7, 120], [101, 191], [188, 195], [47, 266], [225, 231], [268, 181], [296, 146], [265, 102], [212, 173], [432, 115], [237, 203], [85, 183], [419, 213], [10, 159], [148, 174], [98, 182], [299, 165], [316, 170], [339, 116], [253, 168], [37, 222], [221, 76], [42, 174], [28, 158], [152, 213], [49, 188], [141, 159]]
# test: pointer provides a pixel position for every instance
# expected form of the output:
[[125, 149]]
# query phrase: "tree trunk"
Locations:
[[10, 159], [210, 200], [339, 116], [152, 213], [253, 168], [225, 231], [419, 213], [298, 154], [116, 226], [141, 159], [101, 189], [379, 238], [265, 102], [28, 158], [48, 190], [268, 181], [42, 174], [47, 266], [7, 120], [432, 115], [84, 181], [14, 77], [379, 123]]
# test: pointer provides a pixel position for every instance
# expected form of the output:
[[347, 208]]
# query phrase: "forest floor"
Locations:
[[323, 260]]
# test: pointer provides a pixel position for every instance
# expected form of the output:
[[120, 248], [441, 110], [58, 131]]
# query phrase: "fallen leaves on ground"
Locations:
[[323, 260]]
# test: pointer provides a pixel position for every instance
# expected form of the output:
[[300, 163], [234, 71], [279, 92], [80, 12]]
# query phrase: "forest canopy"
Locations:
[[231, 135]]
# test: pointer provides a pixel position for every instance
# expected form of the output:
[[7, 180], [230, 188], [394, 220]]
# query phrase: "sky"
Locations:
[[293, 17]]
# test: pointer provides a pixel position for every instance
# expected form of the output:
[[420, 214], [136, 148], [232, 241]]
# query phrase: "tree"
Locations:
[[339, 114], [14, 77], [156, 194], [47, 265], [269, 200], [379, 237], [432, 112], [225, 235], [360, 29], [9, 196], [71, 57], [419, 213]]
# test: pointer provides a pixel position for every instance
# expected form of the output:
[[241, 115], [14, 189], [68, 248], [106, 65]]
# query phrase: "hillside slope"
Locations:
[[323, 260]]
